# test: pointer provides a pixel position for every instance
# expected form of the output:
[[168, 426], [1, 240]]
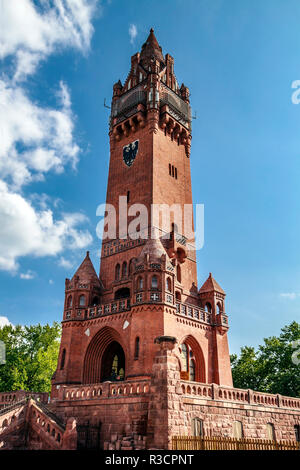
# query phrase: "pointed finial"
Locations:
[[87, 253], [151, 30], [210, 275]]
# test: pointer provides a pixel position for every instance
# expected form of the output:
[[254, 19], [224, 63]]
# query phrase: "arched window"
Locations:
[[70, 301], [270, 432], [177, 295], [197, 427], [168, 284], [63, 358], [82, 301], [95, 301], [219, 307], [154, 282], [237, 429], [178, 273], [188, 362], [137, 348], [131, 265], [117, 272], [207, 307], [140, 283], [124, 269]]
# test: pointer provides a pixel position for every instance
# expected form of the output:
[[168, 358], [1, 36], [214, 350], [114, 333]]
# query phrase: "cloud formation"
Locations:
[[4, 321], [37, 139], [132, 32], [290, 295]]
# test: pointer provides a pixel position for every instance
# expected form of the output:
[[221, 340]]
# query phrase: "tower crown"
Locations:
[[151, 97]]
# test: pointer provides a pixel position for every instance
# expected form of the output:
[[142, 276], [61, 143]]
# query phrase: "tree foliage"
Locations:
[[270, 368], [31, 357]]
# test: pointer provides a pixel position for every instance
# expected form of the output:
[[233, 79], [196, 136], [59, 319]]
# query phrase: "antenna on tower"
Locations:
[[105, 105]]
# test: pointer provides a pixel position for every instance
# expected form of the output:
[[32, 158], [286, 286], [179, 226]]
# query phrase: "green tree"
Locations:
[[31, 357], [270, 368]]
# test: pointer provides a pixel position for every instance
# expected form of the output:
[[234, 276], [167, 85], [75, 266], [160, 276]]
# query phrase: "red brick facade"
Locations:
[[144, 352]]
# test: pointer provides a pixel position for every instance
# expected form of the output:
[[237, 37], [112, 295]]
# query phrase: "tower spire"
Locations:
[[151, 50]]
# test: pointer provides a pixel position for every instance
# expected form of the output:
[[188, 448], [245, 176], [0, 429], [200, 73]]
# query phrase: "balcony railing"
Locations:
[[224, 393]]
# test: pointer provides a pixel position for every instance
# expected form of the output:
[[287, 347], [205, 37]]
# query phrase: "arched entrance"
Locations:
[[102, 350], [113, 363]]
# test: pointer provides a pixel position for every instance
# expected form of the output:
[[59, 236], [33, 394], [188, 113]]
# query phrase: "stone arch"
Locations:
[[200, 369], [95, 351]]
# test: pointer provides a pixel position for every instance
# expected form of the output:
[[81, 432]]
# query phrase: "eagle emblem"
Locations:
[[130, 152]]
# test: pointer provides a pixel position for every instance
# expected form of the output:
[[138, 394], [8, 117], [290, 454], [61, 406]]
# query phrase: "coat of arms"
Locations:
[[130, 152]]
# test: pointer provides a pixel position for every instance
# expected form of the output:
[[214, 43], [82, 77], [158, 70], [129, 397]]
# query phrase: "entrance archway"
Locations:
[[113, 363], [99, 352]]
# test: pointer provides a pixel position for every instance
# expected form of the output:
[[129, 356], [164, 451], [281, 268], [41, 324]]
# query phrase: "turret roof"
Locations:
[[151, 49], [211, 285], [86, 271]]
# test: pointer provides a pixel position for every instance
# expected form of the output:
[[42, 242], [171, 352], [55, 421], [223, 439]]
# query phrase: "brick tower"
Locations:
[[144, 355], [147, 287]]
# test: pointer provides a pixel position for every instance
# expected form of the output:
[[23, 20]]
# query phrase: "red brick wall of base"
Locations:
[[164, 406]]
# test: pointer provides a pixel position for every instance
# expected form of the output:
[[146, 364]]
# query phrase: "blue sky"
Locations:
[[239, 60]]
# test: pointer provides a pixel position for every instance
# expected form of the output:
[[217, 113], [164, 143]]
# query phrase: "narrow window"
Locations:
[[168, 284], [137, 348], [166, 130], [176, 173], [170, 170], [178, 141], [207, 307], [140, 283], [297, 432], [173, 171], [192, 370], [237, 430], [197, 427], [154, 282], [82, 300], [117, 272], [69, 303], [128, 196], [270, 432], [63, 358], [178, 272], [124, 269], [131, 265]]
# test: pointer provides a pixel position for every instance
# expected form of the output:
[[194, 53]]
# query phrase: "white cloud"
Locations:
[[290, 295], [4, 321], [31, 32], [36, 139], [132, 32], [51, 281], [65, 263], [28, 275], [25, 231], [45, 135]]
